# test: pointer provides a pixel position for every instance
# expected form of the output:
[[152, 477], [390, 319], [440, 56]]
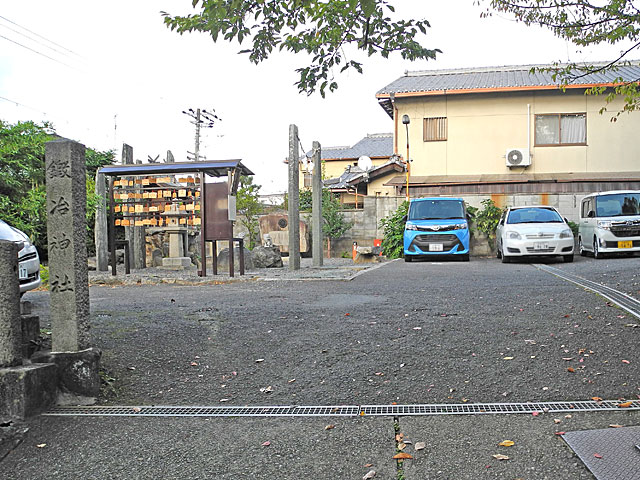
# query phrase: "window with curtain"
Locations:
[[435, 129], [561, 129]]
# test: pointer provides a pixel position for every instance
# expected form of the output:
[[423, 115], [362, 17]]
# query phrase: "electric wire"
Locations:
[[38, 35], [39, 53]]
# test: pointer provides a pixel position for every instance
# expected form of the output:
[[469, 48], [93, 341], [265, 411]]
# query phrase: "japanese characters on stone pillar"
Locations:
[[316, 207], [10, 327], [67, 237], [294, 200]]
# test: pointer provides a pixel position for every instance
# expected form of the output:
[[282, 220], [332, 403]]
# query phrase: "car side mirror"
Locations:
[[591, 214]]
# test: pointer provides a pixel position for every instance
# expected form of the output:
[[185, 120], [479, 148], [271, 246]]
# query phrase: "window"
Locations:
[[561, 129], [586, 208], [435, 129]]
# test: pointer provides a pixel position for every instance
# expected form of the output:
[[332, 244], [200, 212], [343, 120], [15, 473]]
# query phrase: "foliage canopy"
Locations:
[[320, 28], [249, 207], [22, 180]]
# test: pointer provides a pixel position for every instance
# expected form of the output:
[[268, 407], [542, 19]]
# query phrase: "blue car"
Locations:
[[435, 227]]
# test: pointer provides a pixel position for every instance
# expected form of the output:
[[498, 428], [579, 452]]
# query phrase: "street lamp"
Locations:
[[406, 121]]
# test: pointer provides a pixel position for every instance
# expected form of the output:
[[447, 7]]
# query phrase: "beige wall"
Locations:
[[481, 127]]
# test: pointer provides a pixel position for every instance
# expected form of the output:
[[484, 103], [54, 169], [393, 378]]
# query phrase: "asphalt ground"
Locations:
[[417, 333]]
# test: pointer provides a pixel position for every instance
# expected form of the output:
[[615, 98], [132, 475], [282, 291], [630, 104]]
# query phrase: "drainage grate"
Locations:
[[495, 408], [204, 411], [342, 410]]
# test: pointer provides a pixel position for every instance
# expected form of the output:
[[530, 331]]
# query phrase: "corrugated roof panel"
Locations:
[[500, 77]]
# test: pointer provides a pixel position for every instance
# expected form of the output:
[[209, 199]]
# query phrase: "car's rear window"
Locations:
[[534, 215]]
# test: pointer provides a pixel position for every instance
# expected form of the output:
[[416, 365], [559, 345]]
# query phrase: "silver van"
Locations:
[[610, 223]]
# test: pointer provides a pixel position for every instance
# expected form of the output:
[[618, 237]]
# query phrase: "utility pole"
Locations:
[[201, 119]]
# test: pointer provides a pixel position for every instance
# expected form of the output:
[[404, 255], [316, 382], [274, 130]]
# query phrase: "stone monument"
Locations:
[[317, 244], [294, 200]]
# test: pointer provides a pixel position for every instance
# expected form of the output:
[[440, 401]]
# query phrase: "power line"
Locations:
[[39, 53], [35, 40], [38, 35]]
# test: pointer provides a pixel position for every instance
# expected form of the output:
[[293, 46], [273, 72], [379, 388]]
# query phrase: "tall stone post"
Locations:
[[316, 215], [67, 236], [101, 236], [10, 327], [294, 200], [135, 235]]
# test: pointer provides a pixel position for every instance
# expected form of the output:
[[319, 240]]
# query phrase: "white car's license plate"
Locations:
[[540, 246], [436, 247], [22, 273]]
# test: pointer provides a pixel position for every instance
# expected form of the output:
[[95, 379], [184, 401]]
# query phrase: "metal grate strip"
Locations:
[[343, 410]]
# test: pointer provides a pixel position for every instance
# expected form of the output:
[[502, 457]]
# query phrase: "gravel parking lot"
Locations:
[[418, 333]]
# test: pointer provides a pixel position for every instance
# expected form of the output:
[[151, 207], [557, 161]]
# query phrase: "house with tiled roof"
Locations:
[[510, 131], [357, 171]]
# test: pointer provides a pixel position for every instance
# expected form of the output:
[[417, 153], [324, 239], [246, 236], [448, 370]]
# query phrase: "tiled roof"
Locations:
[[354, 175], [374, 145], [510, 77]]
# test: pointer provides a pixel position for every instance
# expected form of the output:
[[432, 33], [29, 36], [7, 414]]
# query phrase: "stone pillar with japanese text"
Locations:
[[67, 237]]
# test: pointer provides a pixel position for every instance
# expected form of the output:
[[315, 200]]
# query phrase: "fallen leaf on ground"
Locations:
[[615, 425], [500, 457], [507, 443], [560, 433], [224, 399], [626, 361], [292, 380], [419, 445], [571, 370], [260, 360], [625, 404], [535, 414], [508, 358], [402, 456], [266, 444], [369, 475], [597, 455], [368, 465], [41, 445], [268, 389], [596, 399], [557, 420], [399, 437], [194, 364], [329, 427], [136, 409], [401, 446]]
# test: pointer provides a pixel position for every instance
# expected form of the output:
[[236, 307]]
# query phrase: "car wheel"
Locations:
[[583, 252], [498, 252], [596, 252], [407, 258], [464, 257], [567, 258], [505, 259]]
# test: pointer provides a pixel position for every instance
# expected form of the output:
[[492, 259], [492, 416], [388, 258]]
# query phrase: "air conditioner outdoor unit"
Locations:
[[518, 157]]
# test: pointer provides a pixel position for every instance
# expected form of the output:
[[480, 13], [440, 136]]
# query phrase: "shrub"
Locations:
[[393, 228]]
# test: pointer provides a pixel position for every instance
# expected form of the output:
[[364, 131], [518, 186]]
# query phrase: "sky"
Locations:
[[115, 73]]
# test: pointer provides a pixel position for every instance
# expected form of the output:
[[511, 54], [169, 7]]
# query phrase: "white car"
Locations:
[[28, 259], [610, 223], [533, 231]]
